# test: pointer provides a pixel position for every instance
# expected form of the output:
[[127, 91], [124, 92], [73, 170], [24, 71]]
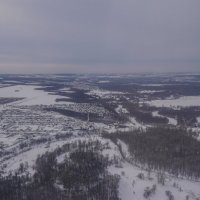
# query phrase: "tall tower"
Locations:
[[88, 117]]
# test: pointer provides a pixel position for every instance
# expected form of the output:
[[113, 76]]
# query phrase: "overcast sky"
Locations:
[[65, 36]]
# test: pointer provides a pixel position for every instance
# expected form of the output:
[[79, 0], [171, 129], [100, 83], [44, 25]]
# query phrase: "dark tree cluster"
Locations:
[[78, 96], [144, 115], [110, 107], [170, 149], [82, 175], [4, 100], [185, 116]]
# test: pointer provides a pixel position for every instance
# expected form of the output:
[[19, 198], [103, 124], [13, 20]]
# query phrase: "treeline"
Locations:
[[170, 149], [4, 100], [185, 116], [144, 115], [77, 96], [110, 107], [82, 175]]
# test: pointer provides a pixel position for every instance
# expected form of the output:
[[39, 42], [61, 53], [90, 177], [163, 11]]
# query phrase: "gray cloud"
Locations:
[[99, 36]]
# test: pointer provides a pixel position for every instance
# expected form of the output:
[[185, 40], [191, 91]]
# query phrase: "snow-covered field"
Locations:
[[31, 95], [184, 101]]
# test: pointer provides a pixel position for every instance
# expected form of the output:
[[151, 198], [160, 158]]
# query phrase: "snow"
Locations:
[[8, 141], [172, 121], [120, 109], [4, 85], [184, 101], [66, 90], [153, 85], [109, 76], [104, 81], [150, 91], [30, 156], [131, 187], [197, 131], [12, 81], [102, 93], [31, 95], [124, 148], [198, 119], [114, 128], [61, 158], [128, 126], [136, 124], [30, 124], [129, 191]]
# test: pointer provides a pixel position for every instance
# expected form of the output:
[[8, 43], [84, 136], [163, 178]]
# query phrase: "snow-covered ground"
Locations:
[[172, 121], [31, 95], [184, 101], [104, 81], [153, 85], [26, 122], [150, 91], [103, 93], [132, 187], [121, 109], [136, 124], [66, 90]]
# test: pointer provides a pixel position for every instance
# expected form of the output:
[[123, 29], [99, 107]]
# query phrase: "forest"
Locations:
[[174, 150], [81, 175]]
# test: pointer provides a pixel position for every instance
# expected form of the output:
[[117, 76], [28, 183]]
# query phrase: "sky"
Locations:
[[99, 36]]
